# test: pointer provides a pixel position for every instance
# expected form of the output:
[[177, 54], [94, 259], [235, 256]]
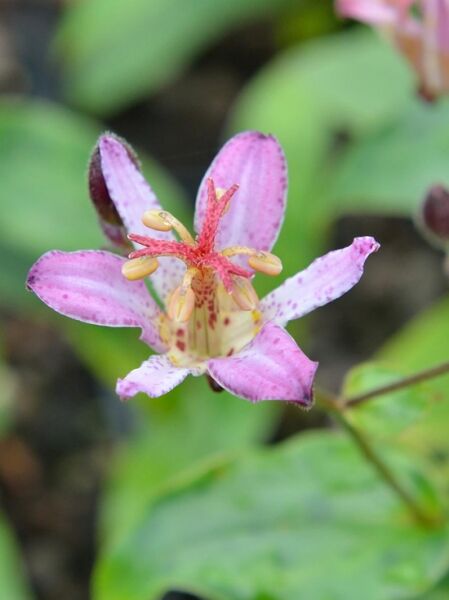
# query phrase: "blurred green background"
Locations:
[[199, 494]]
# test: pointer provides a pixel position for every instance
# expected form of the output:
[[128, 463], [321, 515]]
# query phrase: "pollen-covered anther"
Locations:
[[259, 260], [181, 305], [156, 219], [138, 268], [244, 294], [161, 220], [265, 262]]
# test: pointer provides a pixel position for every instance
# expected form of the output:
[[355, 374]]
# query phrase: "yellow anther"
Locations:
[[181, 305], [161, 220], [266, 263], [157, 219], [244, 294], [138, 268]]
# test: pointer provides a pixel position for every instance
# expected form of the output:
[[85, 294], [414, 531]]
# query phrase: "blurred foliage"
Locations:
[[7, 391], [308, 19], [317, 98], [390, 414], [115, 52], [306, 519], [13, 586], [388, 171], [12, 576], [187, 431], [424, 343], [44, 151]]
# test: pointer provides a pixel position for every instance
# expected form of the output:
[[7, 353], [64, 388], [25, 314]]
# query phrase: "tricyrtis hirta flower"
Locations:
[[418, 28], [212, 321]]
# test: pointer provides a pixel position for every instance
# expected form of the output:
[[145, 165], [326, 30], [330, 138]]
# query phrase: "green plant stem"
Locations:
[[331, 403], [397, 385]]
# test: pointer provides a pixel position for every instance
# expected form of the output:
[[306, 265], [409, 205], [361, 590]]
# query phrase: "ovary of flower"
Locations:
[[213, 290]]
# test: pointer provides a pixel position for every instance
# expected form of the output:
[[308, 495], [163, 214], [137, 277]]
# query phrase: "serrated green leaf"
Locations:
[[115, 51], [307, 519]]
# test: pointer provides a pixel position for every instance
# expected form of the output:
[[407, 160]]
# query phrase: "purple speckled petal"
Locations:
[[257, 164], [132, 196], [271, 367], [155, 377], [326, 279], [88, 286]]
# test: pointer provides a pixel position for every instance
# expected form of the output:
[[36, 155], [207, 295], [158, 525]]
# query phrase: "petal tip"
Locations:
[[123, 389], [366, 245], [112, 144]]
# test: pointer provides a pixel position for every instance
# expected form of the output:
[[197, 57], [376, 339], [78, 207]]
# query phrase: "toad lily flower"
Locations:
[[213, 321], [420, 31]]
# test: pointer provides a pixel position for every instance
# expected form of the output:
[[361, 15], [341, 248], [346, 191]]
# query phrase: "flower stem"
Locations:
[[420, 515], [398, 385]]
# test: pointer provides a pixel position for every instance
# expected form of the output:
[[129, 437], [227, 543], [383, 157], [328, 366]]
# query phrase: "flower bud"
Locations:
[[110, 220], [435, 214]]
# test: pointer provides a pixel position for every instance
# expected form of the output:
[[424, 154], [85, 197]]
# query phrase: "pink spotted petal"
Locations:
[[88, 286], [155, 377], [326, 279], [373, 12], [256, 163], [271, 367], [132, 196]]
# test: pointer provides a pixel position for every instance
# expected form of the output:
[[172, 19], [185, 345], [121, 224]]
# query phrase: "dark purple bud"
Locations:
[[214, 386], [110, 220], [435, 214]]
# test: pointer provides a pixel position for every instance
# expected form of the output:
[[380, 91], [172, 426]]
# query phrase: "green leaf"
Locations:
[[182, 433], [387, 171], [423, 343], [115, 51], [388, 415], [392, 422], [440, 592], [44, 151], [12, 576], [307, 519]]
